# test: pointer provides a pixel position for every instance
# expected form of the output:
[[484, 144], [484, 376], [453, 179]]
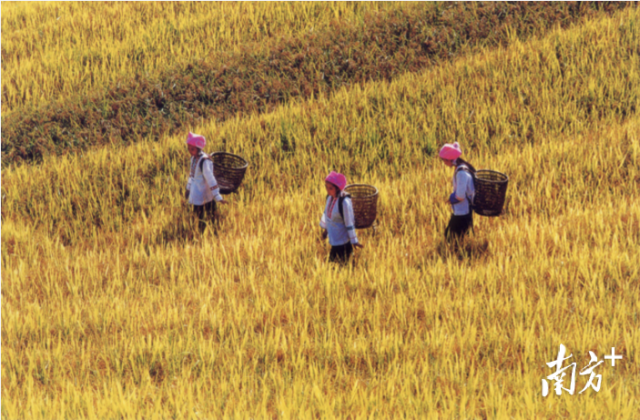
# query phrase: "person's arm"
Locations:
[[323, 222], [211, 180], [462, 178], [188, 188], [350, 223]]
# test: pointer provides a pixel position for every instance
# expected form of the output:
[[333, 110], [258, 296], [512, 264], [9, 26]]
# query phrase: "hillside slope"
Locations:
[[112, 307]]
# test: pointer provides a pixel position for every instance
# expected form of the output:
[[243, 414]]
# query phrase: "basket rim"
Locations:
[[495, 172], [246, 163], [363, 185]]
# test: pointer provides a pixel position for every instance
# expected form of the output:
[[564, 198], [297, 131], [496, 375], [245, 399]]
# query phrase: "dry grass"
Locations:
[[260, 76], [112, 308], [54, 50]]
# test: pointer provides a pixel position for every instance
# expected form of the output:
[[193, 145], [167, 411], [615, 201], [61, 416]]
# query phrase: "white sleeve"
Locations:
[[462, 179], [211, 180], [349, 220], [323, 219]]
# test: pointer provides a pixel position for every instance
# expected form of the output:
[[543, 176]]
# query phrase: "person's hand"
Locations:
[[453, 199], [223, 202], [358, 245], [324, 234]]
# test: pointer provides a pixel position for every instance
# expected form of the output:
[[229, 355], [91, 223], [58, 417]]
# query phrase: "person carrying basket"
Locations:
[[461, 199], [337, 220], [202, 188]]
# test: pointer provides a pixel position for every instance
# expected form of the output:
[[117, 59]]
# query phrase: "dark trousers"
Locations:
[[341, 253], [205, 213], [458, 227]]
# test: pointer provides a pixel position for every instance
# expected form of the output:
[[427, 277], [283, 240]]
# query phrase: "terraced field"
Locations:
[[113, 306], [365, 46]]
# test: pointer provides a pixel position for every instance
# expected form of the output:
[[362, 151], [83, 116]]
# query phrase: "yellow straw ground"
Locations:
[[121, 311]]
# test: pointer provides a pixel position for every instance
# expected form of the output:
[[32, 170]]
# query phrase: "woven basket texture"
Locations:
[[229, 170], [365, 204], [491, 190]]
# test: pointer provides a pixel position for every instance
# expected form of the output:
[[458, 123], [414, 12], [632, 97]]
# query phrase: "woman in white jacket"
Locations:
[[337, 220], [202, 188]]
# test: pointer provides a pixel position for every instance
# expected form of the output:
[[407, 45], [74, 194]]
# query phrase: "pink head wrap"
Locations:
[[337, 179], [450, 151], [196, 140]]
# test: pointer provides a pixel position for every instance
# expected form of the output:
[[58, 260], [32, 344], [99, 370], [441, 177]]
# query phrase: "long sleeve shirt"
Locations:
[[340, 230], [464, 189], [202, 185]]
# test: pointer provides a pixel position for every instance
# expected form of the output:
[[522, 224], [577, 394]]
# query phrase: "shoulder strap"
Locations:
[[463, 168], [340, 201], [202, 159], [469, 166], [468, 170]]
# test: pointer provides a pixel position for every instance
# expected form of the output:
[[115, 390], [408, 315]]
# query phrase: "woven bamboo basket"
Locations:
[[229, 170], [491, 190], [365, 204]]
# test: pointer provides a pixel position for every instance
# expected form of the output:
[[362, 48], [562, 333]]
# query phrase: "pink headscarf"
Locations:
[[337, 179], [196, 140], [450, 151]]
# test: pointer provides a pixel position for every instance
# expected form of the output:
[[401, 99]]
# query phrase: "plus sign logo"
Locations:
[[594, 381], [613, 356]]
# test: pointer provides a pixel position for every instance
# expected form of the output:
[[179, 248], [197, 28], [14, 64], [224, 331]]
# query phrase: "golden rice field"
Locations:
[[40, 63], [114, 307]]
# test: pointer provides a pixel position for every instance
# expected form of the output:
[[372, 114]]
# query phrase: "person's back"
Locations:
[[463, 187]]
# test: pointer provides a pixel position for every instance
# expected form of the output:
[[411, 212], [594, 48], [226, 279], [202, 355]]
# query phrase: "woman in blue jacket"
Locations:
[[463, 193], [337, 220]]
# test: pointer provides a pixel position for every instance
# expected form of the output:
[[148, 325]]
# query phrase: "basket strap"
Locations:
[[199, 162], [465, 168], [202, 159], [340, 206]]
